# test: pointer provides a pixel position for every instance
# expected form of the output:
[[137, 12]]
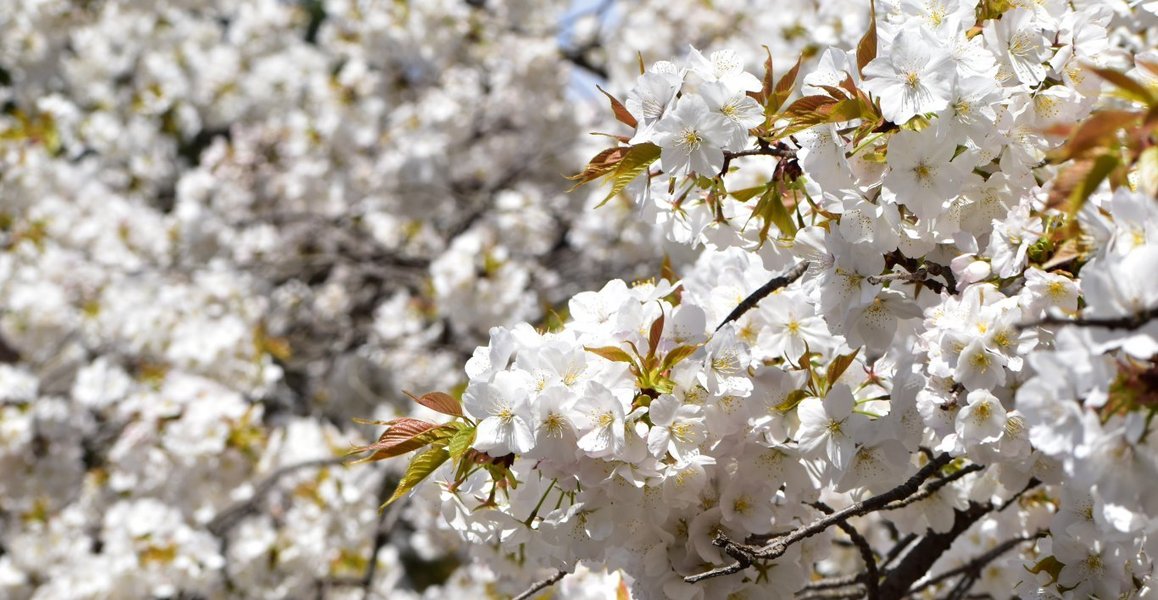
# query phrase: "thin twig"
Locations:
[[898, 548], [1133, 321], [765, 149], [386, 521], [539, 586], [232, 514], [979, 563], [918, 561], [933, 486], [872, 574], [773, 284], [835, 582], [778, 547], [1034, 482]]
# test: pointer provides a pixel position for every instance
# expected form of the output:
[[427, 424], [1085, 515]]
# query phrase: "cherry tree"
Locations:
[[848, 298], [915, 353]]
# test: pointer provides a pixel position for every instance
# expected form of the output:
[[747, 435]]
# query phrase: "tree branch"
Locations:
[[778, 547], [773, 284], [872, 577], [539, 586], [232, 514], [979, 563], [932, 487], [765, 149], [1133, 321], [925, 553]]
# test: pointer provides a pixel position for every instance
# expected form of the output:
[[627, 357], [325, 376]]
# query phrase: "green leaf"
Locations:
[[439, 402], [460, 442], [634, 162], [611, 353], [771, 208], [677, 354], [791, 400], [601, 164], [866, 49], [420, 468], [1099, 171], [1049, 564], [839, 365], [747, 194]]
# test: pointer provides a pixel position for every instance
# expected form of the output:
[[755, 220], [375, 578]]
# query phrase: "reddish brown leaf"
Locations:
[[439, 402], [404, 435], [1099, 129], [807, 105], [784, 88], [621, 112], [866, 49], [601, 164], [655, 334], [611, 353], [1129, 86]]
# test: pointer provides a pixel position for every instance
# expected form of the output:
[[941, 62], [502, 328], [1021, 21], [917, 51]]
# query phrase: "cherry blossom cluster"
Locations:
[[227, 228], [916, 353]]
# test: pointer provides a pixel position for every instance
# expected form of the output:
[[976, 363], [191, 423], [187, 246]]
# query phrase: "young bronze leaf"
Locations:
[[403, 436], [420, 468], [654, 335], [839, 365], [621, 112], [768, 85], [866, 49], [439, 402], [784, 88], [807, 105], [677, 354], [634, 162], [1099, 170], [599, 165], [611, 353], [1099, 129], [1128, 86]]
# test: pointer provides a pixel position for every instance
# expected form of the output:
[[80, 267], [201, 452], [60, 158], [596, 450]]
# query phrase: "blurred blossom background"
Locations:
[[228, 228]]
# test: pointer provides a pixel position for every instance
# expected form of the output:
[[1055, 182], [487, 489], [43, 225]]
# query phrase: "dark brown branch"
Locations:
[[1133, 321], [386, 521], [765, 149], [232, 514], [933, 486], [779, 546], [740, 553], [773, 284], [977, 564], [898, 548], [830, 583], [539, 586], [924, 554], [872, 577], [1034, 482]]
